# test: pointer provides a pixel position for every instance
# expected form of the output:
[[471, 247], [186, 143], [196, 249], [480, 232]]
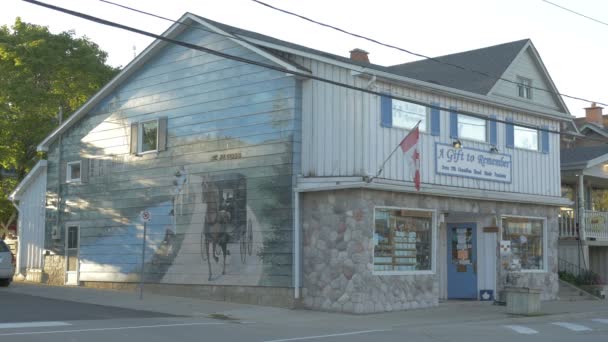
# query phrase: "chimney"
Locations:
[[594, 115], [359, 55]]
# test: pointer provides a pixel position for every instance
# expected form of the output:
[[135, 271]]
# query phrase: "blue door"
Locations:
[[462, 261]]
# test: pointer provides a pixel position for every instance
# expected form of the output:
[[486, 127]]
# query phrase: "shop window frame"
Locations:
[[433, 269], [545, 241]]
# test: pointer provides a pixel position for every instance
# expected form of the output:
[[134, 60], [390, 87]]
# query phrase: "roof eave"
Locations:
[[39, 167], [413, 82], [127, 71]]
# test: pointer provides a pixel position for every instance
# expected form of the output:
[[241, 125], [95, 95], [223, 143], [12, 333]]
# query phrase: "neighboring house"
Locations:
[[258, 182], [30, 195], [584, 225]]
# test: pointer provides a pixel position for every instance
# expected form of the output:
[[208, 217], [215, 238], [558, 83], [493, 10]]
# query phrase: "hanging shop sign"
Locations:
[[473, 163]]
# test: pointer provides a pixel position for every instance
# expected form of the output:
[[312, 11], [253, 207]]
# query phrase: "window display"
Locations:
[[526, 236], [402, 240]]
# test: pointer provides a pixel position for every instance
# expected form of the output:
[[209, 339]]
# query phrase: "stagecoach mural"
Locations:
[[207, 231]]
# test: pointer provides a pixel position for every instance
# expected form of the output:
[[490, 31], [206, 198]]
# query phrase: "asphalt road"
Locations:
[[30, 318]]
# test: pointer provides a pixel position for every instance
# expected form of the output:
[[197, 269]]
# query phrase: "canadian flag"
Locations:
[[410, 142]]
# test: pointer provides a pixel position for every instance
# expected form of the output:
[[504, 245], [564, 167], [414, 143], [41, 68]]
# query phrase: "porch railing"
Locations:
[[596, 224], [567, 224]]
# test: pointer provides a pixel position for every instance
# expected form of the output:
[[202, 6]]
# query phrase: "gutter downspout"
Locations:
[[18, 263], [297, 250], [59, 168]]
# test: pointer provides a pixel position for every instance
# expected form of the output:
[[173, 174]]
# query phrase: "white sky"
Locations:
[[573, 48]]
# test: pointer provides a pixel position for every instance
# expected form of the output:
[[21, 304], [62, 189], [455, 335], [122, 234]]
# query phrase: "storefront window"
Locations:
[[403, 240], [526, 238]]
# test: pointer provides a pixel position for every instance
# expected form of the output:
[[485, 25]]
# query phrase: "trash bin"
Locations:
[[522, 300]]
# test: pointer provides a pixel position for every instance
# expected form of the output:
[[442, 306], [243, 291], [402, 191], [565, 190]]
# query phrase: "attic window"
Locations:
[[524, 87]]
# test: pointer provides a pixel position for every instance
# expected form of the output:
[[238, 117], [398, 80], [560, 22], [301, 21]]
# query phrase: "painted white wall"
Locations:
[[342, 136], [31, 224]]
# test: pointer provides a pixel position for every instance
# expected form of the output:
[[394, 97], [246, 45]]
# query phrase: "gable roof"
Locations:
[[271, 48], [492, 60], [595, 128], [583, 157], [178, 27], [25, 183]]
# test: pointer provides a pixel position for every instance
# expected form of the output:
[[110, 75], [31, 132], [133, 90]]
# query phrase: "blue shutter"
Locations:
[[510, 133], [453, 124], [544, 140], [435, 119], [493, 131], [386, 111]]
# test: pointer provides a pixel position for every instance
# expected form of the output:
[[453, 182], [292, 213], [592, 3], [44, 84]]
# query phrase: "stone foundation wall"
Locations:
[[268, 296], [54, 270], [337, 230]]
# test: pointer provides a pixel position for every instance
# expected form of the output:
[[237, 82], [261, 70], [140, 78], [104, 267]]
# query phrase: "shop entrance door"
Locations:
[[462, 261]]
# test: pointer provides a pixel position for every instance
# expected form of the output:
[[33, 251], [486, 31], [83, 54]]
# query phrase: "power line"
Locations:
[[421, 55], [284, 70], [577, 13]]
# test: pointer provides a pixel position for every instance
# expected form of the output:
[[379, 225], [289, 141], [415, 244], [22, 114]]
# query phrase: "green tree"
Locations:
[[40, 72]]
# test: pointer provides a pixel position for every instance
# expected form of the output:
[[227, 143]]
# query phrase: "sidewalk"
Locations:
[[447, 312]]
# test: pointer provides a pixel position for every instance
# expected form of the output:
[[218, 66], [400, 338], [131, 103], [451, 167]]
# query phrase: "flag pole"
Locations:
[[393, 152]]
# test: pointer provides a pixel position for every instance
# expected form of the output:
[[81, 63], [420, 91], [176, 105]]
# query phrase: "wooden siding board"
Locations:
[[533, 172], [214, 107]]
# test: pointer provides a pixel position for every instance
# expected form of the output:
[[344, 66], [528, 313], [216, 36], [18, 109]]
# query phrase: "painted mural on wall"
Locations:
[[206, 232]]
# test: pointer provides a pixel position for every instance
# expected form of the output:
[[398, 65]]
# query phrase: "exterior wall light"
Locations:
[[494, 149], [457, 144]]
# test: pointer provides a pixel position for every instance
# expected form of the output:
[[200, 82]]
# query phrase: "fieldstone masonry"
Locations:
[[338, 251], [54, 270]]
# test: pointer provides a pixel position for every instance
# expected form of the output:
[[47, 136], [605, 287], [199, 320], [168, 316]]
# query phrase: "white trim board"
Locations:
[[433, 190]]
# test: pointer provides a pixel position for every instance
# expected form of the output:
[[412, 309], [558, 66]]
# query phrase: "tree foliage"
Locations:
[[40, 72]]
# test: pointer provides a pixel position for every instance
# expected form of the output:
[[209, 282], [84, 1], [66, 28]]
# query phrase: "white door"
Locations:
[[72, 242]]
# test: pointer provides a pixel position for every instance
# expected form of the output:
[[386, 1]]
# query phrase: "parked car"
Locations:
[[7, 265]]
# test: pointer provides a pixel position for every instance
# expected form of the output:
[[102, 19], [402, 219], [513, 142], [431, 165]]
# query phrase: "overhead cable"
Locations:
[[495, 77], [284, 70]]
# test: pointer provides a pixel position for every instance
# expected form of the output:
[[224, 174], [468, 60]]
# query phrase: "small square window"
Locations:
[[406, 115], [73, 172], [148, 136], [524, 87], [472, 128], [526, 138]]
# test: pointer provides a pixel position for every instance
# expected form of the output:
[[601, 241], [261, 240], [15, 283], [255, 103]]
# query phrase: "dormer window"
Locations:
[[524, 87]]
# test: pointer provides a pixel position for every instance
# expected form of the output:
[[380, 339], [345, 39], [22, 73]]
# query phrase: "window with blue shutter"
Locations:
[[453, 124], [509, 133], [386, 111], [493, 131], [435, 119], [544, 139]]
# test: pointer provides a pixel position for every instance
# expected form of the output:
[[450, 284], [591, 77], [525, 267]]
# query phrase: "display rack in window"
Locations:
[[402, 244]]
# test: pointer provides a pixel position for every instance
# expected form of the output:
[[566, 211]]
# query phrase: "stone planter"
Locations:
[[522, 300]]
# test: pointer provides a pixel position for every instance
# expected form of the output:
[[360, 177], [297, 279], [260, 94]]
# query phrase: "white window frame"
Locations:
[[433, 269], [545, 240], [515, 126], [68, 172], [423, 125], [462, 137], [140, 136], [527, 88]]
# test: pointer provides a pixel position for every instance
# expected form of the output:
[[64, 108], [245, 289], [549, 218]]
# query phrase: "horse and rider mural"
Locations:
[[225, 219]]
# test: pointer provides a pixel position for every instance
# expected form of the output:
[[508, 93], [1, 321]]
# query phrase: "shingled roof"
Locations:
[[493, 60], [582, 155]]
